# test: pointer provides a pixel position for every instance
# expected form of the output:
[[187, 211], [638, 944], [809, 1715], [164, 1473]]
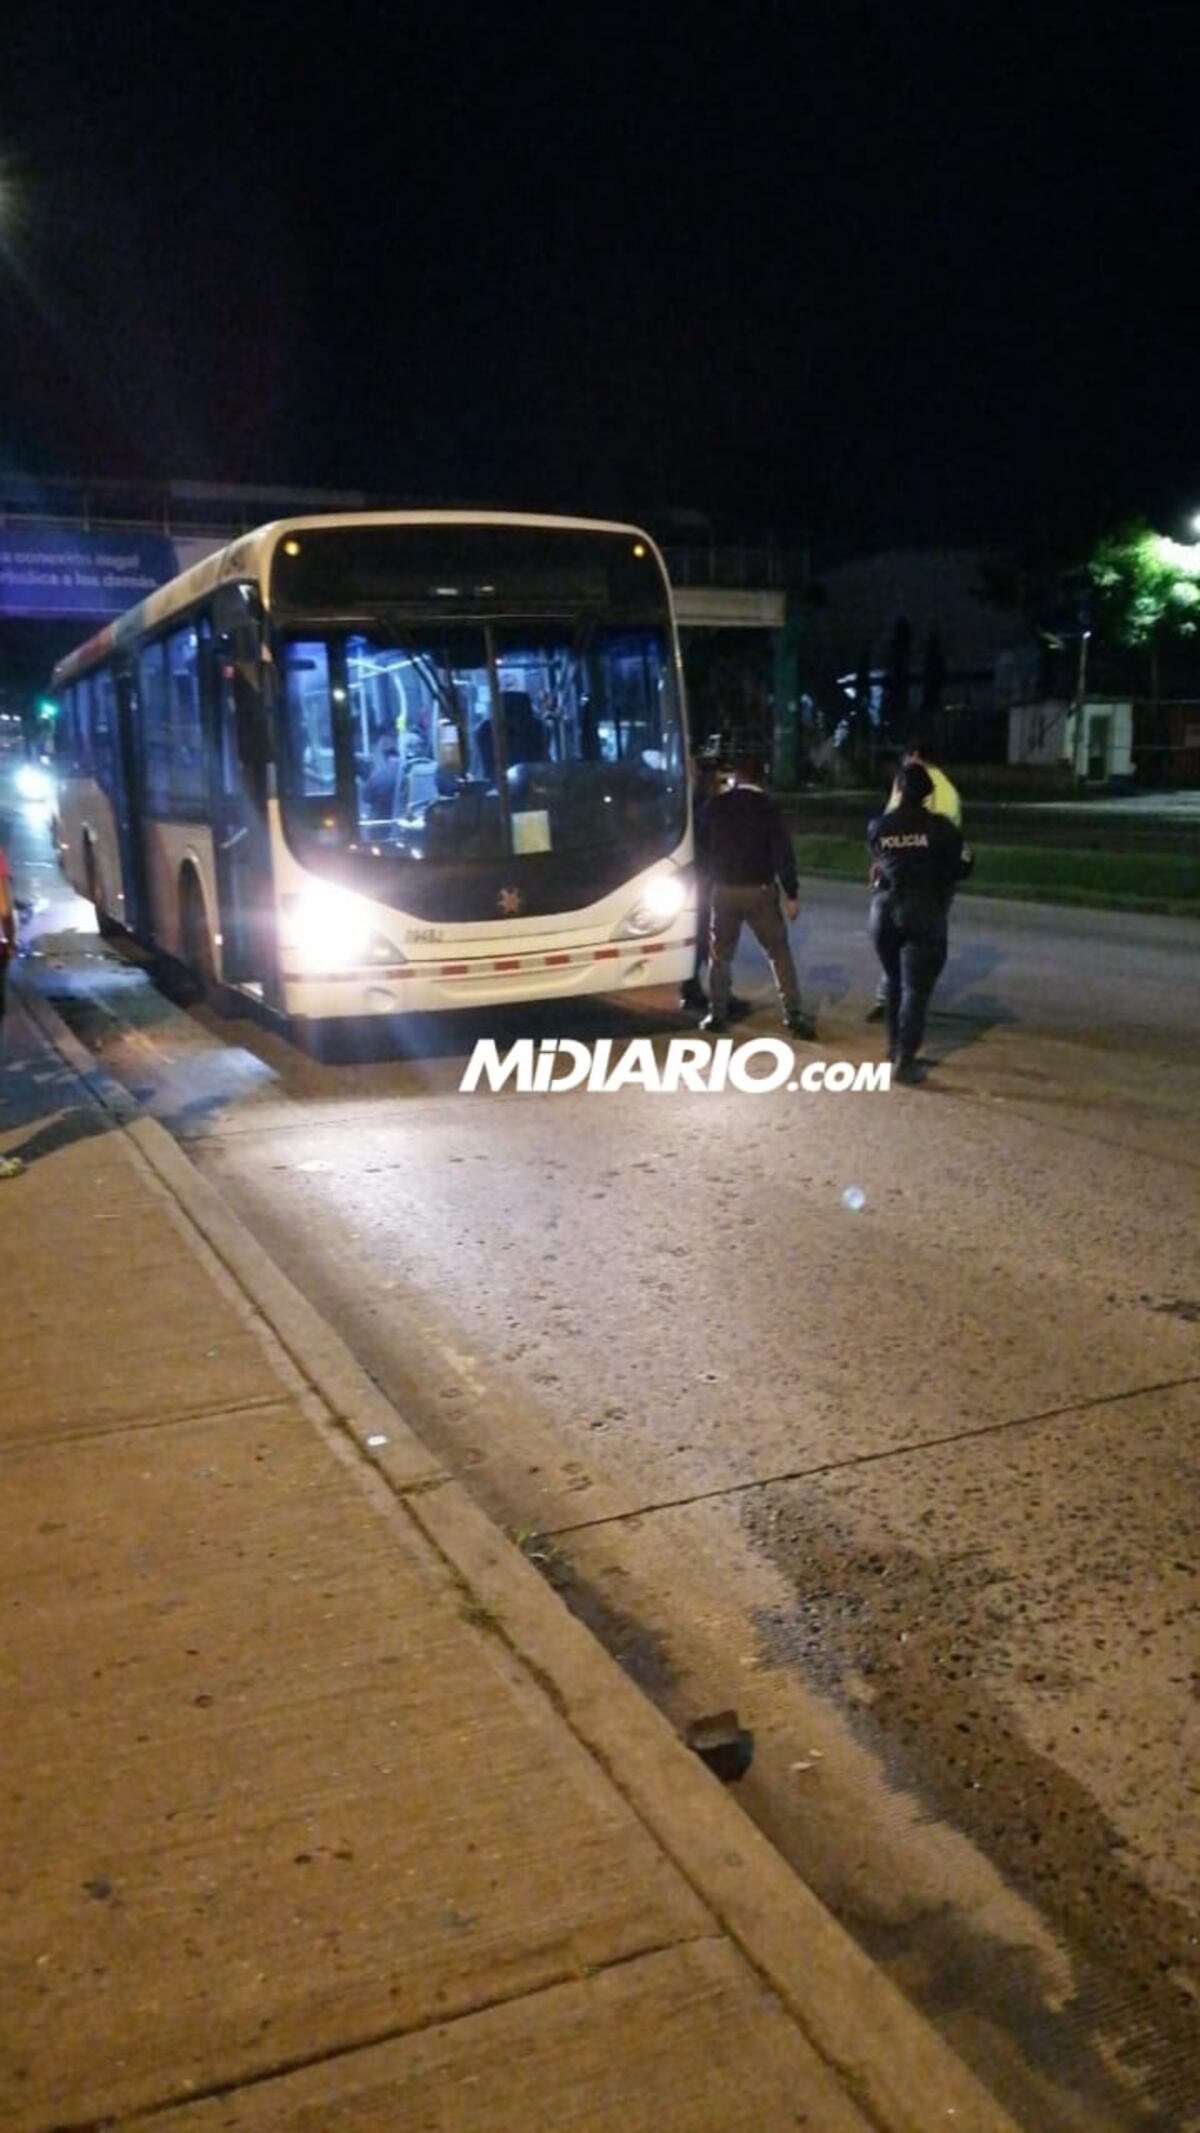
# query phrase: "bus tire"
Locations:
[[196, 944], [105, 925]]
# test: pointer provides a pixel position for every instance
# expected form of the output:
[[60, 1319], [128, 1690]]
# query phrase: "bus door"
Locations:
[[240, 757], [127, 801]]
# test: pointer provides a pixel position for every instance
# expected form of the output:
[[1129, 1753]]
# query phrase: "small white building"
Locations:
[[1095, 743]]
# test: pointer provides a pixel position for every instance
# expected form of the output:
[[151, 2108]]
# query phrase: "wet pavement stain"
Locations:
[[897, 1641]]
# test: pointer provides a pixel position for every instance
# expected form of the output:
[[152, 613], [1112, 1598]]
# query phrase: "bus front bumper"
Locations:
[[488, 980]]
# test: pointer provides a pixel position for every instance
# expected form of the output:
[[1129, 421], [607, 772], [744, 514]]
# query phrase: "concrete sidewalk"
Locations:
[[318, 1809]]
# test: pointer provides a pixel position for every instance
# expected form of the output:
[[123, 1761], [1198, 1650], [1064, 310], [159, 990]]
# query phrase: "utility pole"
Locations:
[[1080, 749]]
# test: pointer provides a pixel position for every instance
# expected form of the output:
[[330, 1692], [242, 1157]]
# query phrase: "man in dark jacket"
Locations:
[[705, 787], [750, 860], [381, 786], [916, 860]]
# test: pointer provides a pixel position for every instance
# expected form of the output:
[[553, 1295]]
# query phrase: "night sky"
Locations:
[[880, 274]]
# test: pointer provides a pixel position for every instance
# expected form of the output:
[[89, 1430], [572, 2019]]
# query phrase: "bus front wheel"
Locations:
[[105, 925], [196, 945]]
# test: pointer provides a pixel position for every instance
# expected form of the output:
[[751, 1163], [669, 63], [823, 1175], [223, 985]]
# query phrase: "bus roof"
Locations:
[[249, 556]]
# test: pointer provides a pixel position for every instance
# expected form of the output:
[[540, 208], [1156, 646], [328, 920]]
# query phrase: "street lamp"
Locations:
[[1080, 737]]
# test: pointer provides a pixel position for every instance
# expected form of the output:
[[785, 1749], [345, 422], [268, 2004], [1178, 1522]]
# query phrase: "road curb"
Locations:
[[897, 2069]]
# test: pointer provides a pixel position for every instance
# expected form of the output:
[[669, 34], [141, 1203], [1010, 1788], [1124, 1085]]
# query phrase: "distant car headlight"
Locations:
[[330, 928], [661, 901], [33, 783]]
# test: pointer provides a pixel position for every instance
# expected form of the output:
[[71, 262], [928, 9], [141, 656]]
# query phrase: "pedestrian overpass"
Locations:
[[728, 607], [92, 549], [74, 554]]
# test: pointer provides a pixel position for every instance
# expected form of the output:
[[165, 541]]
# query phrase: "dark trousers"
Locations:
[[911, 946], [758, 908], [703, 923], [881, 988]]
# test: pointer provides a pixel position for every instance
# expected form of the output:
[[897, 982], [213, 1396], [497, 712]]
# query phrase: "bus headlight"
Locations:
[[329, 928], [661, 901]]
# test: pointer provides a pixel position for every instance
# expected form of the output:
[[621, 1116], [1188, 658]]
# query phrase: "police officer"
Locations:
[[916, 860], [750, 860], [943, 800]]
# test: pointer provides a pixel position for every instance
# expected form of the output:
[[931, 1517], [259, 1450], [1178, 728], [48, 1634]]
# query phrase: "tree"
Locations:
[[933, 675], [894, 708], [1047, 584], [1147, 590]]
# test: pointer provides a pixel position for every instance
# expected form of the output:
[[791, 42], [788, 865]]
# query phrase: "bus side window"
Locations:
[[104, 722], [187, 764], [156, 726], [77, 737]]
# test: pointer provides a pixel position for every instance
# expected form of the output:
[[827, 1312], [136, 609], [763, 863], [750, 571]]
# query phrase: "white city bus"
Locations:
[[371, 764]]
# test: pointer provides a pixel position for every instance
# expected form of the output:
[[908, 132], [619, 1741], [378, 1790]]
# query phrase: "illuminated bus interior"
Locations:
[[388, 741]]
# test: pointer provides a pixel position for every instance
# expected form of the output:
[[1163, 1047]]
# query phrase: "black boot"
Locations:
[[908, 1071]]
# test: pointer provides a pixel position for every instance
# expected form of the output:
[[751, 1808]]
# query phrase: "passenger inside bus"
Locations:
[[524, 734], [588, 758], [381, 786]]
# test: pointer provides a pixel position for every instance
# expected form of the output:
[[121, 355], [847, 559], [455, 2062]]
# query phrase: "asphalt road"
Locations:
[[913, 1487]]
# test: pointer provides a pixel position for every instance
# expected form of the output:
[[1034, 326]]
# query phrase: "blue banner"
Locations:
[[52, 576]]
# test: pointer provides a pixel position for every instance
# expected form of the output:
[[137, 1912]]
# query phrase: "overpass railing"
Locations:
[[745, 568], [224, 510]]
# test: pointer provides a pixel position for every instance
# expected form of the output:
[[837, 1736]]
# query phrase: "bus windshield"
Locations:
[[501, 697]]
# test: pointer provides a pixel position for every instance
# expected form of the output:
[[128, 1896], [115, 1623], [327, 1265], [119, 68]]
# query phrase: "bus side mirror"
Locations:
[[244, 680]]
